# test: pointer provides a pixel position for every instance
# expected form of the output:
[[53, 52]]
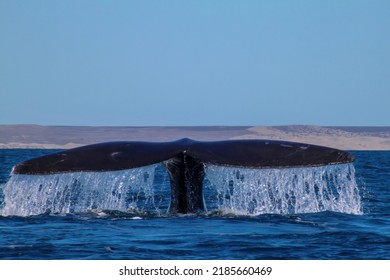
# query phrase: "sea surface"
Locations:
[[335, 212]]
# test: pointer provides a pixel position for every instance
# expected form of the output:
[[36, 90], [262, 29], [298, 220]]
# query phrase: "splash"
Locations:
[[126, 190], [147, 190], [282, 191]]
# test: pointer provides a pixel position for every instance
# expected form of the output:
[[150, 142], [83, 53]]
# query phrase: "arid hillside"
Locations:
[[346, 138]]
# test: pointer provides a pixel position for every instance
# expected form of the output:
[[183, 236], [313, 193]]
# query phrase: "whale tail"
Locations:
[[185, 161]]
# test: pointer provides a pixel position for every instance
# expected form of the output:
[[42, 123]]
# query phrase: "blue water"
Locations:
[[246, 232]]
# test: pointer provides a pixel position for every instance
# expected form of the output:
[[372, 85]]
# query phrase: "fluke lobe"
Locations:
[[185, 161]]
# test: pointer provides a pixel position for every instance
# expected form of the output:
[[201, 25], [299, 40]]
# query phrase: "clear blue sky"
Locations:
[[195, 62]]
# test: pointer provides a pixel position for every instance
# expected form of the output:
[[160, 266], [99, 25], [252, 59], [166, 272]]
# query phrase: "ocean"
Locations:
[[334, 212]]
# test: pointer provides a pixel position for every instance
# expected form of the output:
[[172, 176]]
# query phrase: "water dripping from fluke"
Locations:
[[249, 177], [129, 190], [283, 190], [241, 191]]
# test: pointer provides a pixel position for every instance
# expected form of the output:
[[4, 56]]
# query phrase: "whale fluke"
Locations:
[[123, 155], [184, 160]]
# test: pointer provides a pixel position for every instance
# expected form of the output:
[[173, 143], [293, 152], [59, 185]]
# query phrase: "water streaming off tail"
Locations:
[[282, 191], [126, 190], [147, 189]]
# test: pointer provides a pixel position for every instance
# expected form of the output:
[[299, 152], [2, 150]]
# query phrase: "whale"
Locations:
[[185, 161]]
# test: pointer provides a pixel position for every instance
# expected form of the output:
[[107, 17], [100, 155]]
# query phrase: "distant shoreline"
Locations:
[[65, 137]]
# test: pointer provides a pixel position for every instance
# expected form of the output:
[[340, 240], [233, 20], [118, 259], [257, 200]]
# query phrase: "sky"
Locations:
[[188, 63]]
